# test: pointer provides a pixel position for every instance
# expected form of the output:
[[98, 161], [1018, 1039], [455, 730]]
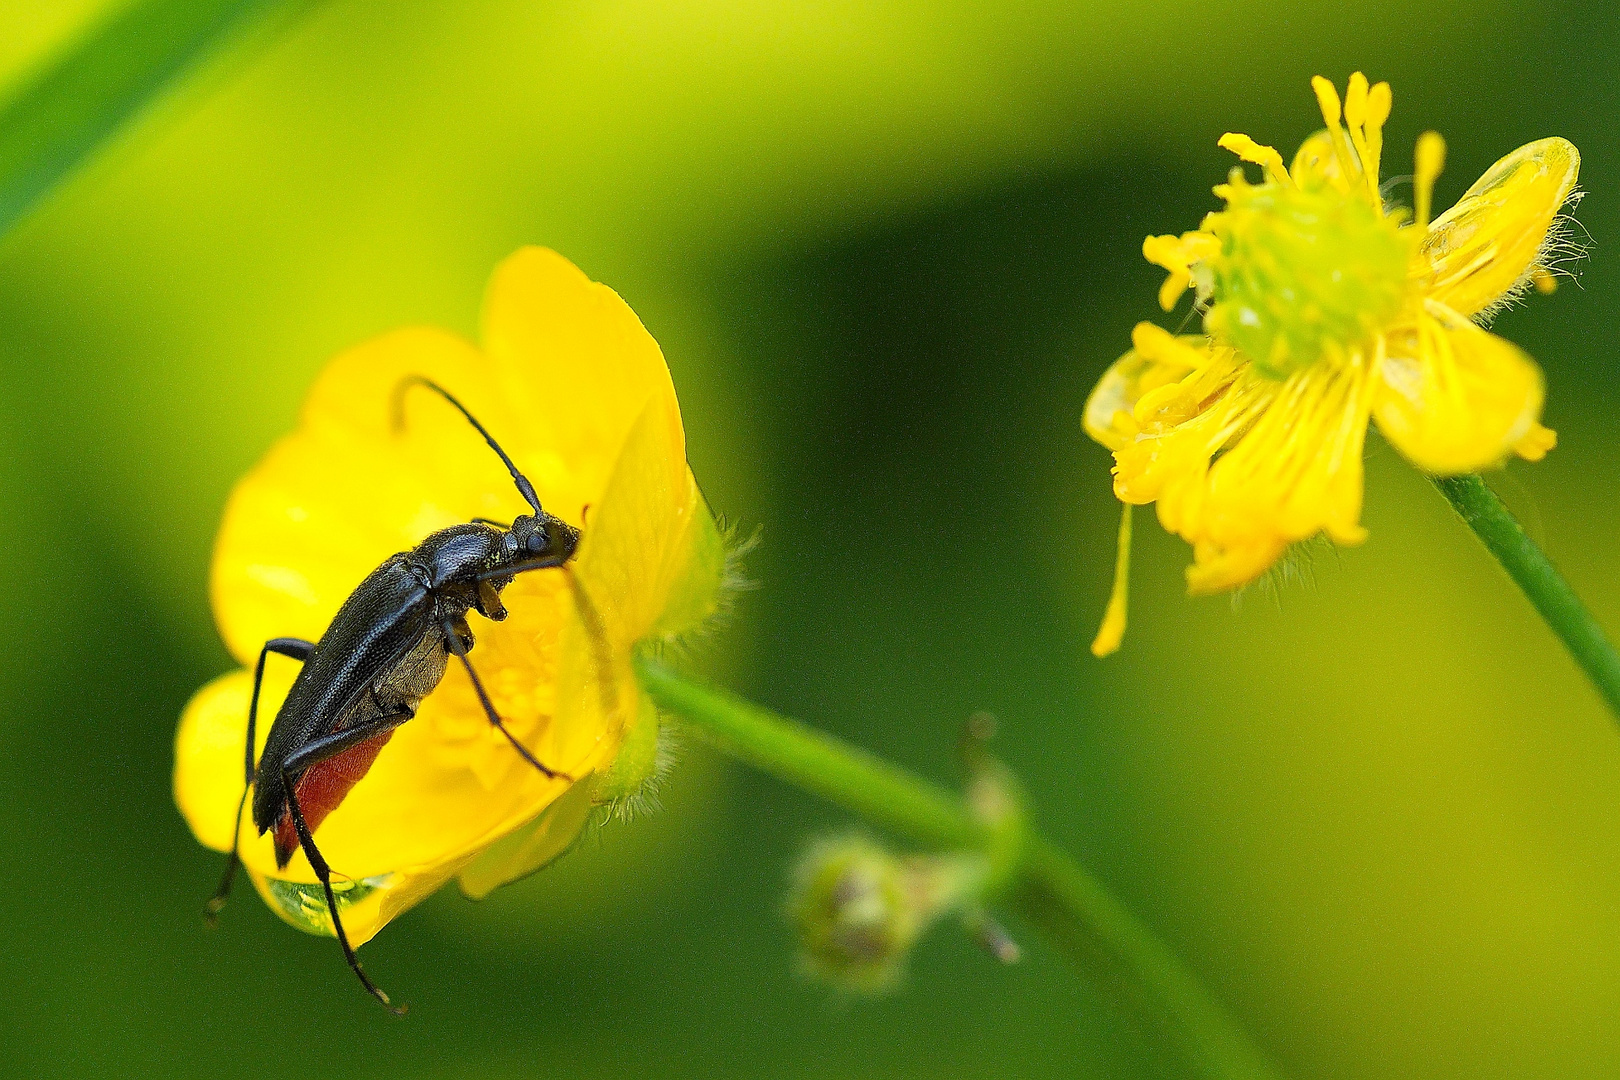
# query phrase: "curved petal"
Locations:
[[1188, 400], [1456, 398], [1486, 248], [575, 361], [208, 765], [650, 541], [1296, 473], [1109, 413], [521, 853]]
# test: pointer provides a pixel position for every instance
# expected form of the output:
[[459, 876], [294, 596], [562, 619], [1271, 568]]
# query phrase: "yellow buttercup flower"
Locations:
[[578, 393], [1324, 307]]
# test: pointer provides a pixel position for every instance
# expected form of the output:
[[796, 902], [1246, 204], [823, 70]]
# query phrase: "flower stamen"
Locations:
[[1177, 254], [1327, 97], [1430, 159], [1355, 121], [1380, 99], [1265, 156]]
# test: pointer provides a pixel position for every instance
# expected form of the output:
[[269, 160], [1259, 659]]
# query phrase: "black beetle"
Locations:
[[386, 650]]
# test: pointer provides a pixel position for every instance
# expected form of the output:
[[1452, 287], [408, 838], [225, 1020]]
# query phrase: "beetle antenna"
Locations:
[[525, 488]]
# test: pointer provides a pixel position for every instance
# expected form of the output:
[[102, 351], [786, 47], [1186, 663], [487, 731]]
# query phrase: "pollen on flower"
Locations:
[[1325, 308]]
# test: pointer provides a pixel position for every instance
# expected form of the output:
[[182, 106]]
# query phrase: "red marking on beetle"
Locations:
[[322, 787]]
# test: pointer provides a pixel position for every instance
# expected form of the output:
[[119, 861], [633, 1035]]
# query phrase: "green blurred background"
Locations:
[[887, 248]]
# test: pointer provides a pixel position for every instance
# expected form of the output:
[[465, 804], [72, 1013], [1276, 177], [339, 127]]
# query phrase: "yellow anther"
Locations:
[[1379, 102], [1429, 158], [1380, 99], [1171, 253], [1328, 98], [1251, 151], [1152, 340], [1174, 285], [1355, 102], [1536, 443], [1355, 121], [1164, 251], [1543, 280]]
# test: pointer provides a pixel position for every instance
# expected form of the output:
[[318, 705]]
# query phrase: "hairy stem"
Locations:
[[1546, 588], [1047, 887]]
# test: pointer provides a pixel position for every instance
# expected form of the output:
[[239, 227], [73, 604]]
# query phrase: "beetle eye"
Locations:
[[535, 543]]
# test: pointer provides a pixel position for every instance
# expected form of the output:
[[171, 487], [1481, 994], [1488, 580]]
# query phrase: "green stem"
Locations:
[[1529, 566], [1052, 891], [56, 120]]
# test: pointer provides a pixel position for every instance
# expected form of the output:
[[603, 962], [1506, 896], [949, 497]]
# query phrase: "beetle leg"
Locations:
[[489, 602], [330, 746], [548, 563], [318, 863], [298, 649], [459, 647]]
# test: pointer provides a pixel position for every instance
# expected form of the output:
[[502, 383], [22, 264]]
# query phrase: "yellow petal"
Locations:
[[1112, 630], [1489, 245], [1456, 398], [1296, 473], [1109, 408], [574, 359], [521, 853], [208, 761], [1176, 428], [650, 541]]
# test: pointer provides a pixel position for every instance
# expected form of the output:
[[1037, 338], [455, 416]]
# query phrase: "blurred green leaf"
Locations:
[[59, 117]]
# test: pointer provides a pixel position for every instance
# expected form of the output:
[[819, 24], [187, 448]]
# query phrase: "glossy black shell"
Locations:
[[384, 650]]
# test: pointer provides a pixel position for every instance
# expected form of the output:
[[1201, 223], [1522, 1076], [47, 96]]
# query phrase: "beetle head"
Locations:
[[535, 537]]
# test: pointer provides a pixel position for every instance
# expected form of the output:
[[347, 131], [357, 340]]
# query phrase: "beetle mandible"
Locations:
[[385, 650]]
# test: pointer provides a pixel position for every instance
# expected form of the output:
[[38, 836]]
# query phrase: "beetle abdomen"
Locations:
[[322, 787]]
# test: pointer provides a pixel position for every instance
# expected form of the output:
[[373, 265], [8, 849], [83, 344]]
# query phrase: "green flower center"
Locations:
[[1302, 275]]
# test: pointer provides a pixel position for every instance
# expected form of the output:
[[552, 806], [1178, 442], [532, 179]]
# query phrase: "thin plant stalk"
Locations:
[[1053, 892], [1534, 573]]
